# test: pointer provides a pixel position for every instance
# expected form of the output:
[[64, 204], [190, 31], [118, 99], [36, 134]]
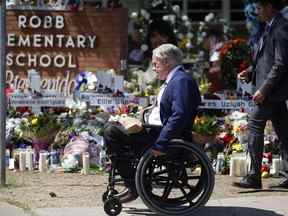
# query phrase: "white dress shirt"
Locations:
[[154, 117]]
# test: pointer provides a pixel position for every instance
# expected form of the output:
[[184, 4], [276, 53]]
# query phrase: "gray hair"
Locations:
[[169, 52]]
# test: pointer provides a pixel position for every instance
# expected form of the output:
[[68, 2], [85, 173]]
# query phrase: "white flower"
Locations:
[[134, 15], [171, 18], [187, 23], [189, 45], [145, 14], [201, 23], [209, 17], [165, 18], [226, 29], [176, 9], [155, 3], [180, 36], [236, 115], [185, 18], [144, 47], [199, 40], [190, 35]]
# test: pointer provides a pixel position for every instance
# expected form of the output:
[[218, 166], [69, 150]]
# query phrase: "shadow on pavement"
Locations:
[[263, 190], [211, 211]]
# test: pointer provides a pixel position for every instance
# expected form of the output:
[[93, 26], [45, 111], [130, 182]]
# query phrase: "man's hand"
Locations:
[[258, 97], [243, 75]]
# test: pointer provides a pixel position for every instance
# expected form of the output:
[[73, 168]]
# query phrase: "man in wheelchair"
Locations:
[[171, 116]]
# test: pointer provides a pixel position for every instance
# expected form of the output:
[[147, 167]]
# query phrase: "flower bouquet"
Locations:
[[205, 129], [238, 122], [235, 56], [240, 130], [39, 129]]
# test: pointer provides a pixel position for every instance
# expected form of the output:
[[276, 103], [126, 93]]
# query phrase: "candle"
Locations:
[[219, 163], [238, 166], [232, 166], [22, 161], [42, 161], [11, 163], [86, 163], [54, 158], [275, 167], [7, 157], [29, 159]]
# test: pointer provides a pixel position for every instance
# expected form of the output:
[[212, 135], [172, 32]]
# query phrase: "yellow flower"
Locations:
[[237, 147], [34, 121]]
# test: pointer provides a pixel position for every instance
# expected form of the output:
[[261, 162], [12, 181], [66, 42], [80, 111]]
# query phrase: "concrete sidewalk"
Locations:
[[10, 210], [247, 206]]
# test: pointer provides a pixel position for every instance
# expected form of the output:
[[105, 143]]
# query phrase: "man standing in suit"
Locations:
[[269, 74], [175, 110]]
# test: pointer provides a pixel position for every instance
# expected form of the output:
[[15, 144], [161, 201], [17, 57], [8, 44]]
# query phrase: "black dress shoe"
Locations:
[[249, 181], [282, 184], [129, 196]]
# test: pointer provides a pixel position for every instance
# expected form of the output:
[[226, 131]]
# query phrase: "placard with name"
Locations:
[[108, 100], [227, 104], [26, 101]]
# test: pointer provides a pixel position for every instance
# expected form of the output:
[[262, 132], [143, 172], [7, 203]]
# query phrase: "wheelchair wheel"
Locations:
[[176, 183], [112, 206]]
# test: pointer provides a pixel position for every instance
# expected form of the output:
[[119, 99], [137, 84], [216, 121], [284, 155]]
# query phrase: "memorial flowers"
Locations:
[[41, 127], [239, 128], [205, 125], [234, 56]]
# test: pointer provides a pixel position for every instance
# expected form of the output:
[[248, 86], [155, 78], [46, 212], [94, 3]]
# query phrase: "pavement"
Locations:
[[240, 206]]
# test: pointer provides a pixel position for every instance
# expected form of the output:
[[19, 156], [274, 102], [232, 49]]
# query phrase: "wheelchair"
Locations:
[[176, 183]]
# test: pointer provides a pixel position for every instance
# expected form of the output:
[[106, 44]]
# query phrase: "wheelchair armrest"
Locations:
[[146, 125], [144, 112]]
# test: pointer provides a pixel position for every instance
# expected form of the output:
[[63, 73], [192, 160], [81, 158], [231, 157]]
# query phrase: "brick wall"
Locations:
[[109, 26]]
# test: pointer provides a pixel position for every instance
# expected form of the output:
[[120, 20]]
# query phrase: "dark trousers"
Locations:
[[276, 112], [117, 140]]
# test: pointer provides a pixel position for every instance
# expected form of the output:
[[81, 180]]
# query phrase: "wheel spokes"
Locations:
[[167, 191]]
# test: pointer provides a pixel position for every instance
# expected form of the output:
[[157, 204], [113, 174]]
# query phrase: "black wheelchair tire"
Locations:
[[112, 206], [166, 209]]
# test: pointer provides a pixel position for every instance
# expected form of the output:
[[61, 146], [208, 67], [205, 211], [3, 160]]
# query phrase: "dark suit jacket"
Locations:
[[178, 108], [270, 71]]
